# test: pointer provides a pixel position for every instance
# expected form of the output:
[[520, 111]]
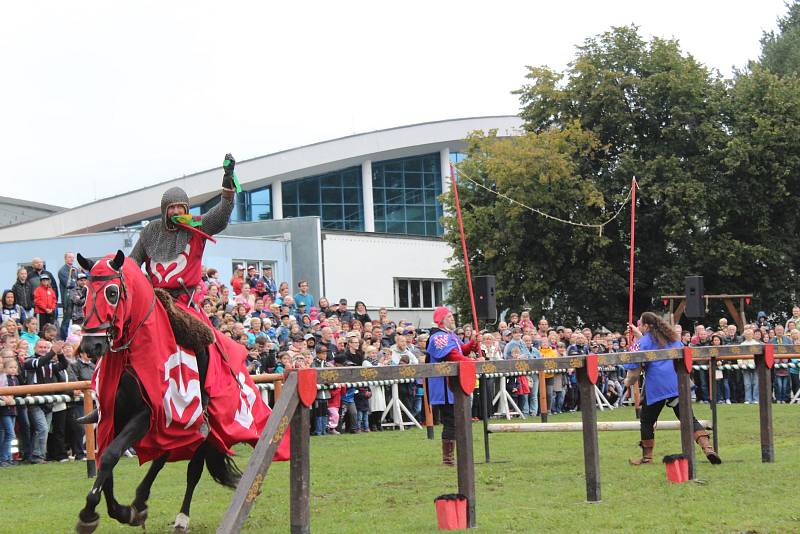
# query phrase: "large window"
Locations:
[[248, 206], [335, 197], [413, 293], [405, 195]]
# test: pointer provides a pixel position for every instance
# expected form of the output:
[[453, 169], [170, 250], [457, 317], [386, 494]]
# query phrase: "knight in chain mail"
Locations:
[[171, 251]]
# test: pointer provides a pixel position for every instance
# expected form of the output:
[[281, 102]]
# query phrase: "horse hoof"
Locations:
[[181, 524], [87, 528], [138, 517]]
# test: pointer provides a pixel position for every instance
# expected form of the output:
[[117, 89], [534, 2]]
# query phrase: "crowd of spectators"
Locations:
[[40, 337]]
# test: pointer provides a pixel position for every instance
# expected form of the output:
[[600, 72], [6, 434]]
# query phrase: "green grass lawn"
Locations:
[[386, 482]]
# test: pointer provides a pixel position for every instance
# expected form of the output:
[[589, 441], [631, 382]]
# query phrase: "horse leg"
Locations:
[[132, 432], [139, 504], [193, 473], [115, 509]]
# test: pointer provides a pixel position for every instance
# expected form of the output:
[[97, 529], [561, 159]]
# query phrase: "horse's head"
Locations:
[[105, 309]]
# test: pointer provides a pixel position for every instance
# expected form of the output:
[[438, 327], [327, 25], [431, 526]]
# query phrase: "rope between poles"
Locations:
[[598, 226]]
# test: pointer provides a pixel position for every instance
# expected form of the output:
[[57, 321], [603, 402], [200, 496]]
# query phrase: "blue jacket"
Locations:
[[661, 380], [440, 344]]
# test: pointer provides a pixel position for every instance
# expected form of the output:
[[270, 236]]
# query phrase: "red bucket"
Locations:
[[451, 511], [677, 466]]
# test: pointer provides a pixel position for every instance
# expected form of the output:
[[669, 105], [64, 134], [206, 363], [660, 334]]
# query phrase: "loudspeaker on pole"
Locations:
[[695, 307], [485, 301]]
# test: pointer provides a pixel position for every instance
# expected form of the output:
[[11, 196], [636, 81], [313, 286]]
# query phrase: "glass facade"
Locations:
[[248, 206], [336, 197], [405, 194]]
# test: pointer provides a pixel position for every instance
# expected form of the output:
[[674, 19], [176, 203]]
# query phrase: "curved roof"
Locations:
[[308, 160]]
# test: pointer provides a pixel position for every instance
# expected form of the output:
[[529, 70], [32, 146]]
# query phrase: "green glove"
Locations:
[[229, 179]]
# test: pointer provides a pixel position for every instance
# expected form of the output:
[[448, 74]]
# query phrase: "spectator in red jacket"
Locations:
[[45, 301]]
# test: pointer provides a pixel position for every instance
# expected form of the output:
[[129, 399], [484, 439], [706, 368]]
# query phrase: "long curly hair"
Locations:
[[661, 331]]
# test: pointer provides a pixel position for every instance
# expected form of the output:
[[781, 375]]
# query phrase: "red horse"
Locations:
[[167, 401]]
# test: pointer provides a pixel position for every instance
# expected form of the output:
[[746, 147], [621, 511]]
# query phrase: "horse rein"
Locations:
[[108, 329]]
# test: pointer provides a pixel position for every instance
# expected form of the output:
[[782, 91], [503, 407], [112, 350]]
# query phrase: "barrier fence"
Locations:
[[296, 391]]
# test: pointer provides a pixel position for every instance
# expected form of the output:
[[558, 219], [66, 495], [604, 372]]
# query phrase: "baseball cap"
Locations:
[[506, 332], [266, 267], [297, 337], [315, 322], [44, 276], [342, 301], [240, 267], [309, 336], [251, 267], [81, 276]]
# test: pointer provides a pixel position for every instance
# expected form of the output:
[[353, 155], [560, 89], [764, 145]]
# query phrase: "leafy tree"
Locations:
[[760, 212], [780, 52], [653, 112]]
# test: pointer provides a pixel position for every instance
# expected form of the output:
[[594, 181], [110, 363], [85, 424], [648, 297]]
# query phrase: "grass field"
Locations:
[[386, 482]]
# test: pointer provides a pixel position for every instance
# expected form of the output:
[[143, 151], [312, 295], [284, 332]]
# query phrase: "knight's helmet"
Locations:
[[172, 196]]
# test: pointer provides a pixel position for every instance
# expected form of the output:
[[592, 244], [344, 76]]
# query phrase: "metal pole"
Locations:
[[464, 249], [712, 389], [482, 385], [632, 257]]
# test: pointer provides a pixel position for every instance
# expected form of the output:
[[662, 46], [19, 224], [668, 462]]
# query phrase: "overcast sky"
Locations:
[[99, 98]]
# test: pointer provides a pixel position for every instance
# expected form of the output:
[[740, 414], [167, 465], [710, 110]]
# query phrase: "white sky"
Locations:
[[98, 98]]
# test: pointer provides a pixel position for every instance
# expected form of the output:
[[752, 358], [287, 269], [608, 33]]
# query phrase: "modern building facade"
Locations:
[[359, 215]]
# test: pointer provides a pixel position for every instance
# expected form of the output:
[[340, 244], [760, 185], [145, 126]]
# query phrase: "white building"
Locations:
[[358, 217]]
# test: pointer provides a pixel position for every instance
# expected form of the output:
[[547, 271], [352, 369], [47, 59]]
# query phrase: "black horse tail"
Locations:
[[222, 468]]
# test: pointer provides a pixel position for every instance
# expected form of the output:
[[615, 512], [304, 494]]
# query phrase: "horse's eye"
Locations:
[[112, 294]]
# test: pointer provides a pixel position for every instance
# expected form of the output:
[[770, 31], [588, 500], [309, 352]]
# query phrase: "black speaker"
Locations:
[[695, 307], [485, 302]]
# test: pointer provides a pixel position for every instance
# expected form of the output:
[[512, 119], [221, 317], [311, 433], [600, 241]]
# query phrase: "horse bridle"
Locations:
[[107, 328]]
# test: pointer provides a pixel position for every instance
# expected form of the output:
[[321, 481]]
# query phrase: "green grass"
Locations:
[[386, 482]]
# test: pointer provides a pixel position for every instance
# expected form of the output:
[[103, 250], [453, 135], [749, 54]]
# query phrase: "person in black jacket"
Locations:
[[43, 369], [23, 291]]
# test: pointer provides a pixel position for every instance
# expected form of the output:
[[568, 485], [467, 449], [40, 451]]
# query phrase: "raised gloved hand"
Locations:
[[228, 177]]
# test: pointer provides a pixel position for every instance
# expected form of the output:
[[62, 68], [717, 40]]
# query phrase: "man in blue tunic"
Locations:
[[444, 345], [660, 387]]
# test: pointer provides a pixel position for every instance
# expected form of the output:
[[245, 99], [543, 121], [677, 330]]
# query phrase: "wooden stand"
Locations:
[[591, 449], [687, 415], [250, 484], [300, 472], [464, 457], [765, 409]]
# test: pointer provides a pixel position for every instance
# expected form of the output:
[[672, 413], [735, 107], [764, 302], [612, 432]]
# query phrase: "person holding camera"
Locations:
[[43, 367]]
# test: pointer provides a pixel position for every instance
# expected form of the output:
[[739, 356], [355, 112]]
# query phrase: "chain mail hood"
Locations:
[[173, 195], [162, 241]]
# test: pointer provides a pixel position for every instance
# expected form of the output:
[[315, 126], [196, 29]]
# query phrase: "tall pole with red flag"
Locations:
[[464, 247]]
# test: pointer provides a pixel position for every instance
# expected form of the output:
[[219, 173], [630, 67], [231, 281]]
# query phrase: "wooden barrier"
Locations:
[[290, 410], [602, 426]]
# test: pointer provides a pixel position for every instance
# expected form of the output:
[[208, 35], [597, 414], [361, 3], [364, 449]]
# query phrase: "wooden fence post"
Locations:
[[465, 463], [300, 472], [591, 451], [765, 408], [685, 408], [88, 430], [250, 484]]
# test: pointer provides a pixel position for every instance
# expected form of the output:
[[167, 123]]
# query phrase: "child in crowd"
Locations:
[[8, 412], [284, 362], [519, 386], [362, 397], [334, 404]]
